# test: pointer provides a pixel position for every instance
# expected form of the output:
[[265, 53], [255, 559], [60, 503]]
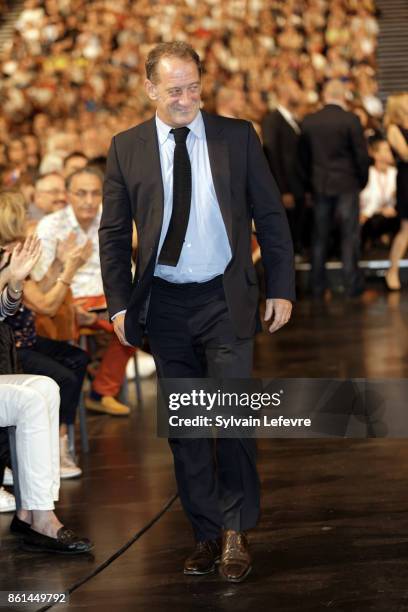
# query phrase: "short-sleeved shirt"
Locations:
[[57, 226]]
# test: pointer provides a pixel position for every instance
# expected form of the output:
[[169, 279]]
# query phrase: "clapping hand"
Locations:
[[80, 254], [65, 247], [23, 259], [71, 254]]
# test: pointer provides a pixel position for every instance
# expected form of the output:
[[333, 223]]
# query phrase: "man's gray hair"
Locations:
[[178, 48], [85, 170]]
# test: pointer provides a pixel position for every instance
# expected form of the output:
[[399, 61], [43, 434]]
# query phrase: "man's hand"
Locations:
[[83, 317], [65, 247], [288, 200], [279, 310], [119, 327], [78, 255], [389, 212]]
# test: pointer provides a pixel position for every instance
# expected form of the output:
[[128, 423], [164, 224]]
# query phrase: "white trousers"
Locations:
[[31, 403]]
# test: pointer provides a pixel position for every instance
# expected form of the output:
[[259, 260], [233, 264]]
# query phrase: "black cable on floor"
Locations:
[[117, 554]]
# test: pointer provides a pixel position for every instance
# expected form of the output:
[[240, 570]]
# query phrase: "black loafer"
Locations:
[[18, 526], [66, 542]]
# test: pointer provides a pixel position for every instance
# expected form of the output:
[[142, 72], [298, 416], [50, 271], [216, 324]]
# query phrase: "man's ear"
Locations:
[[151, 89]]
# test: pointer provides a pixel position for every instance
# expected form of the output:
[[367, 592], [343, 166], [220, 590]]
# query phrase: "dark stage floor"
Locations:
[[334, 529]]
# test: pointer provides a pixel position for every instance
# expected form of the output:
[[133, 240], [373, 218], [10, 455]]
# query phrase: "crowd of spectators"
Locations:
[[72, 74]]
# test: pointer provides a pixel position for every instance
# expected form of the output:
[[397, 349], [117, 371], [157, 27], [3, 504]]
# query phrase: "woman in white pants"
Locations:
[[31, 403]]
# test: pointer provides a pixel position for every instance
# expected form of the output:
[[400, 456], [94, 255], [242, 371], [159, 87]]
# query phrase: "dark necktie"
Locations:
[[176, 233]]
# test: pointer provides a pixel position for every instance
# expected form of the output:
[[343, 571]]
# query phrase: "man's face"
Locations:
[[31, 144], [383, 153], [85, 194], [50, 194], [176, 91], [16, 152]]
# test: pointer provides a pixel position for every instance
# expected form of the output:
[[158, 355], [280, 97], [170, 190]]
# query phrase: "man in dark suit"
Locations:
[[280, 135], [335, 160], [192, 182]]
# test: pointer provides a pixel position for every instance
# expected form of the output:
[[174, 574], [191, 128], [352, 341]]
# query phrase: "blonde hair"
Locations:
[[397, 109], [13, 213]]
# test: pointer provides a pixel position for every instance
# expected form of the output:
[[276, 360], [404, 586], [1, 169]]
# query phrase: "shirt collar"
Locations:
[[285, 112], [196, 127], [289, 118], [73, 221]]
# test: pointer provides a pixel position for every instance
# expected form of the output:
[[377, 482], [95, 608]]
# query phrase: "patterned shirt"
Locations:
[[57, 226], [23, 325]]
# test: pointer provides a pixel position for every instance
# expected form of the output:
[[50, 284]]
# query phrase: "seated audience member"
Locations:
[[49, 196], [82, 217], [16, 161], [378, 215], [9, 301], [65, 363], [73, 162], [32, 150], [31, 404]]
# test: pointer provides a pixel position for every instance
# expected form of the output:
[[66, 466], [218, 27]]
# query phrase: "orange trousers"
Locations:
[[111, 372]]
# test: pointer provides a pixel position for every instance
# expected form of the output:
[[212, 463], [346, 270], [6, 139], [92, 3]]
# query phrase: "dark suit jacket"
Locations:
[[333, 152], [281, 144], [133, 190]]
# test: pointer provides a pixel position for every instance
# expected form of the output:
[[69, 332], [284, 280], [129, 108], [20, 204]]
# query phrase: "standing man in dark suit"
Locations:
[[335, 159], [280, 135], [192, 182]]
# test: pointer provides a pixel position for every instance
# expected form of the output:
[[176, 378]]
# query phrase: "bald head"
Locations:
[[230, 102], [334, 91], [288, 92], [223, 95]]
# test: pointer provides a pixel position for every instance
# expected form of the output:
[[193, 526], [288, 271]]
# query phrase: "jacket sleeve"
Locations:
[[273, 151], [271, 223], [304, 160], [115, 236], [359, 149]]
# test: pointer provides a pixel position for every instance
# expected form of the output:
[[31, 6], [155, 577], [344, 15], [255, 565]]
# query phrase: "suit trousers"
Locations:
[[191, 336], [346, 208], [31, 403]]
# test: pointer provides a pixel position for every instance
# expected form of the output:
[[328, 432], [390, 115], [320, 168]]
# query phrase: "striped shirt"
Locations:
[[8, 304]]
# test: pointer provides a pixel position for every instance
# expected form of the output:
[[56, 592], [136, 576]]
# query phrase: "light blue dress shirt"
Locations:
[[206, 250]]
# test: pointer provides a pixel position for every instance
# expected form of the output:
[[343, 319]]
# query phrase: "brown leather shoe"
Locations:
[[203, 559], [235, 560]]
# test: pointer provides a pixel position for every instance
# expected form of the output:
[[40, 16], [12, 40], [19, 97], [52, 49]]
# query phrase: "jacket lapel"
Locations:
[[220, 168], [152, 180]]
